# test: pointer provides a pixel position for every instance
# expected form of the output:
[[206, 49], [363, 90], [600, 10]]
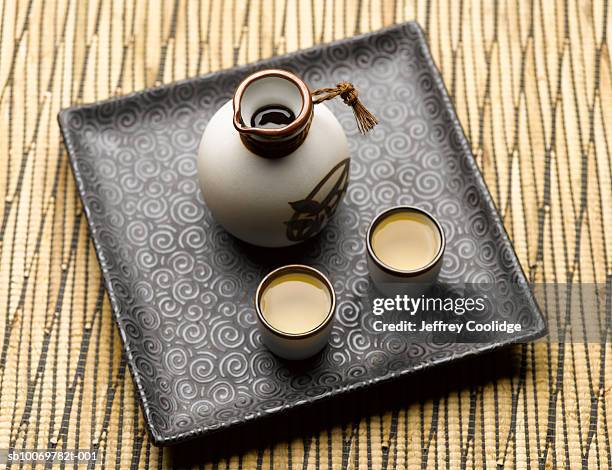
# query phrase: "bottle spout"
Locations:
[[279, 133]]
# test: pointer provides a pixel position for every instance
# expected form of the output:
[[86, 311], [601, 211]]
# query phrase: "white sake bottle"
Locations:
[[274, 167]]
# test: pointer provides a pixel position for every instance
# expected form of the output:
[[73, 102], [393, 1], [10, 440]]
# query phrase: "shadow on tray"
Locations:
[[309, 421]]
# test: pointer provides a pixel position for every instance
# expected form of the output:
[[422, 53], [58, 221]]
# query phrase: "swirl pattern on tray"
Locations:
[[181, 288]]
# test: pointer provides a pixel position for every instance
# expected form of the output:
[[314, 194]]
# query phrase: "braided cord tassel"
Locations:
[[365, 119]]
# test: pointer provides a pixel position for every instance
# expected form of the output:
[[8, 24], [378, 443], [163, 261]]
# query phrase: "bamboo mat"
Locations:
[[532, 84]]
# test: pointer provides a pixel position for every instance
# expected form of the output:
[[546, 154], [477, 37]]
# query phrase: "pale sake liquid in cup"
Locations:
[[295, 303], [406, 240]]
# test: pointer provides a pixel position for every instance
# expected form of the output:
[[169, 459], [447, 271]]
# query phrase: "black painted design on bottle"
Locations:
[[313, 212]]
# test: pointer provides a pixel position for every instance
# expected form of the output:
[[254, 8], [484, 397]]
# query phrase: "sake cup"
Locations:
[[295, 307], [388, 277]]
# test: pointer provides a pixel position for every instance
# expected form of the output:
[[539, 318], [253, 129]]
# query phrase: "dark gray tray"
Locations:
[[181, 288]]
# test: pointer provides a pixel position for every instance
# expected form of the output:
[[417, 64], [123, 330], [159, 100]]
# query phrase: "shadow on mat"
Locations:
[[347, 411]]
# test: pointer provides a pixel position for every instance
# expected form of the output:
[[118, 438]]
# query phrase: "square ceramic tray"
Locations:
[[181, 288]]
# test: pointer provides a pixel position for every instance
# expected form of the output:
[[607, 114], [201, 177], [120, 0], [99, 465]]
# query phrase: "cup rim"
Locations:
[[295, 268], [300, 120], [399, 272]]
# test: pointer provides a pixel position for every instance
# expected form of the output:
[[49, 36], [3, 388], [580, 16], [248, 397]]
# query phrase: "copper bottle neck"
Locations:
[[259, 87]]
